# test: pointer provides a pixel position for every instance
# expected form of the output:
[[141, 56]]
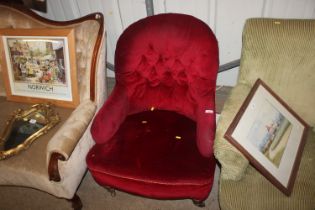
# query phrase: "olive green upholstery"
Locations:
[[282, 53]]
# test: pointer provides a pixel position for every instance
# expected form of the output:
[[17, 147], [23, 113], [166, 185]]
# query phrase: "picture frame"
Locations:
[[23, 127], [38, 66], [270, 135]]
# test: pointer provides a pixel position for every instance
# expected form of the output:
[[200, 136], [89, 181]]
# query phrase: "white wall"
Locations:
[[225, 17]]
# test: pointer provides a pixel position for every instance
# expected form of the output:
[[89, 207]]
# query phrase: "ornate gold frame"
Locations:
[[38, 112]]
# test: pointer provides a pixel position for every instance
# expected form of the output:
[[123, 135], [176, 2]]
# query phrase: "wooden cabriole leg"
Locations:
[[199, 203], [111, 190], [76, 202]]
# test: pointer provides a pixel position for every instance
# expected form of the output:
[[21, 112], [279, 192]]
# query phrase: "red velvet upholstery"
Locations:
[[167, 64]]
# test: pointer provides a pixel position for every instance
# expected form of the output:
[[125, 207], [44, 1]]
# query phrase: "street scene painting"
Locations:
[[39, 65], [37, 60], [270, 133]]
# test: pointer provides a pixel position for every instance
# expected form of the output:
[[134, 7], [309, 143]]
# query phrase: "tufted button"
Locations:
[[181, 78]]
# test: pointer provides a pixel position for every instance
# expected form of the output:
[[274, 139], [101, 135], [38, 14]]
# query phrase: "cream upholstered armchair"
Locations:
[[55, 163], [280, 52]]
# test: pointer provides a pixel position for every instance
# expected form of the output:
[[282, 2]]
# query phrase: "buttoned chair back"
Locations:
[[166, 68]]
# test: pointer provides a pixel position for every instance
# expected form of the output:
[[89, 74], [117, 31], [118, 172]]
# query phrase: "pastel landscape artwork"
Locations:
[[270, 133]]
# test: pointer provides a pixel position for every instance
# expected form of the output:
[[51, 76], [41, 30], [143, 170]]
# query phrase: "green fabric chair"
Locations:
[[282, 53]]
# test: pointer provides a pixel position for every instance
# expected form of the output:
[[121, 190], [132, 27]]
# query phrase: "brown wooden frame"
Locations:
[[249, 154], [70, 69]]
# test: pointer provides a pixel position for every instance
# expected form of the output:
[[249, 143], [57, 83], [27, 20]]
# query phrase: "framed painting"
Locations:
[[270, 134], [38, 65]]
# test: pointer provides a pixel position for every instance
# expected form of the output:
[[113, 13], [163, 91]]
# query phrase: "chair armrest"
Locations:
[[206, 122], [66, 138], [110, 116], [233, 162]]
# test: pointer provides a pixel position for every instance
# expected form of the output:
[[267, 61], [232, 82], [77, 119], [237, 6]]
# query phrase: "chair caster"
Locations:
[[199, 203], [111, 191]]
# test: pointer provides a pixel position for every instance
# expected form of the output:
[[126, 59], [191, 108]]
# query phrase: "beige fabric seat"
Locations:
[[281, 53], [55, 163]]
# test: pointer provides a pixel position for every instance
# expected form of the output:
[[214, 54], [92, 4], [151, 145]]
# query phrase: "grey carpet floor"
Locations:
[[95, 197]]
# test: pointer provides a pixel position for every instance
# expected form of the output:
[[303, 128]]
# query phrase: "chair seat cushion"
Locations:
[[157, 148]]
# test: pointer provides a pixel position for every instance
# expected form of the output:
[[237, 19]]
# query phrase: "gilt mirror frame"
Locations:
[[43, 114]]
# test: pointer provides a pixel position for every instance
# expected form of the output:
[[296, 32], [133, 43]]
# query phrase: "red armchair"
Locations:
[[154, 134]]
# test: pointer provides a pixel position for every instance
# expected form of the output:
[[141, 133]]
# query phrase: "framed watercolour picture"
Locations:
[[38, 65], [270, 134]]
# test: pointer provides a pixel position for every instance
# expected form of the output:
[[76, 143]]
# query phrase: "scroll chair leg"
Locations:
[[110, 190], [199, 203], [76, 202]]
